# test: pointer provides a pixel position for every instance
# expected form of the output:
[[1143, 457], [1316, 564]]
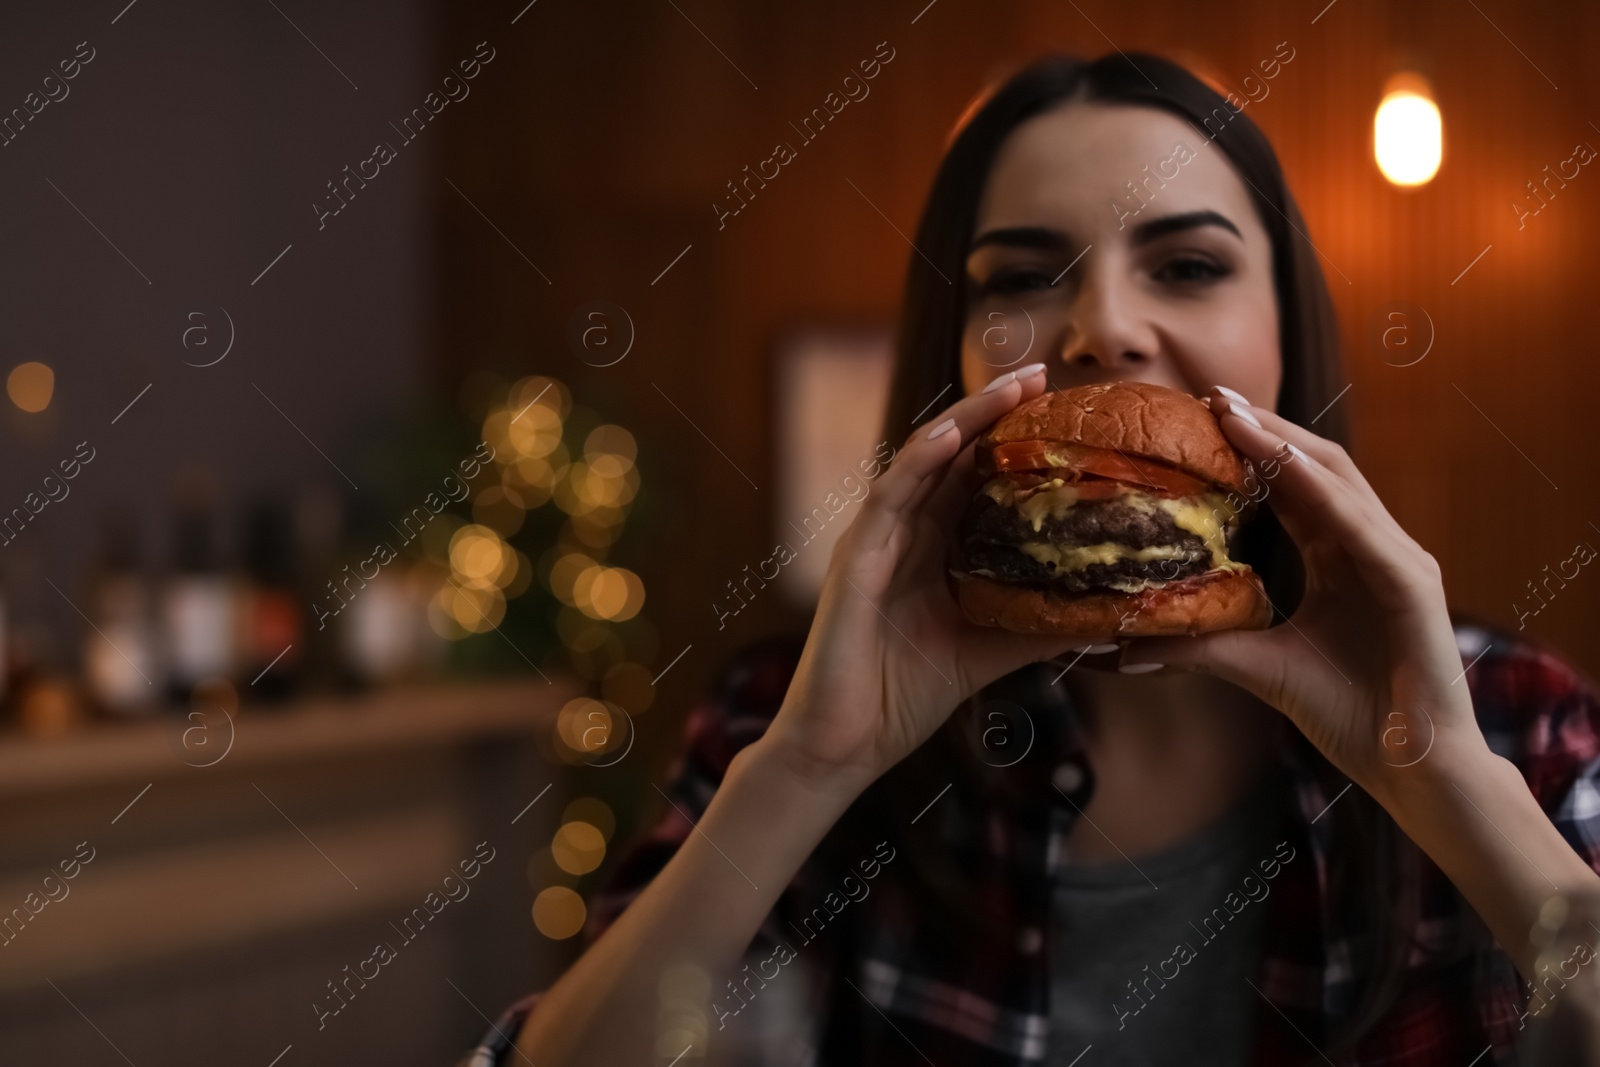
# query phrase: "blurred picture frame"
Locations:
[[831, 384]]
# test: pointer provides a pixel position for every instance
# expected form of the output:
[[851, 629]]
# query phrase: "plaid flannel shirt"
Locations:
[[913, 985]]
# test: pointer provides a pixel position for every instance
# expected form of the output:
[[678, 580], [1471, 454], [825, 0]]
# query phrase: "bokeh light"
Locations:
[[613, 439], [538, 474], [610, 593], [536, 432], [601, 481], [30, 386], [584, 725], [533, 426], [469, 608], [479, 558], [578, 847], [558, 912]]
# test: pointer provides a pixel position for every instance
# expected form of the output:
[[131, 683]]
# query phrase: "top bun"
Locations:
[[1137, 419]]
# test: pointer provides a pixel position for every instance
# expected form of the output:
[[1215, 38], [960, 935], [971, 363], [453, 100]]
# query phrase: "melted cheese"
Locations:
[[1208, 516], [1134, 585], [1048, 500], [1077, 557]]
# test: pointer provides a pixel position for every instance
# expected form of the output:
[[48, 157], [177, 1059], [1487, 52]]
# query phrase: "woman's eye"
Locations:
[[1191, 269], [1006, 282]]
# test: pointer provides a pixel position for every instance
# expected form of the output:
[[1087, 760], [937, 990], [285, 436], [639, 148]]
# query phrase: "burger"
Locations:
[[1108, 510]]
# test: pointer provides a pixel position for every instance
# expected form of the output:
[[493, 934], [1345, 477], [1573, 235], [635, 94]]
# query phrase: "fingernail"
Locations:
[[1095, 649], [1029, 371], [1232, 394], [1139, 668], [1004, 379], [1243, 413], [1297, 454], [943, 428]]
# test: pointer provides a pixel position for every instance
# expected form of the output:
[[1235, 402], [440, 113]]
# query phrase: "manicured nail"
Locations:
[[1243, 413], [1004, 379], [1029, 371], [943, 428], [1233, 394], [1095, 650], [1297, 454], [1139, 668]]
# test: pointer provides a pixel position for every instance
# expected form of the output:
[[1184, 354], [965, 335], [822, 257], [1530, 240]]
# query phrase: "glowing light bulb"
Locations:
[[1408, 133]]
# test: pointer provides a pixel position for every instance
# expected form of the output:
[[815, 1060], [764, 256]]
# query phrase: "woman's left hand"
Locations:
[[1367, 667]]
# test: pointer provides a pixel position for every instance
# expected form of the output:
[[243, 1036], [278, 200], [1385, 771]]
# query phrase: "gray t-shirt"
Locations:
[[1150, 958]]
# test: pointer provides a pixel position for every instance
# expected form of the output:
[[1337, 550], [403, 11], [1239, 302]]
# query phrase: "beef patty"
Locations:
[[989, 533], [1015, 567]]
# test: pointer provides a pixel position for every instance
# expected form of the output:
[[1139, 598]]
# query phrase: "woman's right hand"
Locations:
[[888, 658], [890, 654]]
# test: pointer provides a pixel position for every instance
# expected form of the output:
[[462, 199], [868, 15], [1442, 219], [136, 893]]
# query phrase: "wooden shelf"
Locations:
[[399, 717]]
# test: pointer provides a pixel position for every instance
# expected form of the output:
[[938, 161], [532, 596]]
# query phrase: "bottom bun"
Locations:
[[1215, 600]]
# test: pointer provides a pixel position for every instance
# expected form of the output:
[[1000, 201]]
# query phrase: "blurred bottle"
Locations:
[[51, 707], [121, 664], [318, 525], [379, 629], [27, 655], [199, 603], [386, 633], [274, 623], [32, 645]]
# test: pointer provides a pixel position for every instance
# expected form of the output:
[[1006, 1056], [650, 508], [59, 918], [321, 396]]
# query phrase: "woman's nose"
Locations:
[[1104, 331]]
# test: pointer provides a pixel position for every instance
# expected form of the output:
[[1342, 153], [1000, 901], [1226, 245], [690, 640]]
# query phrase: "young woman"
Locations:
[[1280, 846]]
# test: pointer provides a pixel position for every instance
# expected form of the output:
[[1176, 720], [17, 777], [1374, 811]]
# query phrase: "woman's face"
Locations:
[[1070, 267]]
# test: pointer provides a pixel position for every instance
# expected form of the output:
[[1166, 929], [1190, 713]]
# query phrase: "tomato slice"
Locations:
[[1020, 456], [1098, 488], [1072, 460]]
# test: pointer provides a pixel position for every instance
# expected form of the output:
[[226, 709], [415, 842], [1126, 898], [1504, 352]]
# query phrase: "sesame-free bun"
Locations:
[[1137, 419], [1215, 600]]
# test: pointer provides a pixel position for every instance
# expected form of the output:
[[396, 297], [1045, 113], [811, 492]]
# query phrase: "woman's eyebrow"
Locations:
[[1146, 232], [1022, 237]]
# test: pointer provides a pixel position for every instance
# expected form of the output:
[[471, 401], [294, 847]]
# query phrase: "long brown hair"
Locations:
[[928, 364]]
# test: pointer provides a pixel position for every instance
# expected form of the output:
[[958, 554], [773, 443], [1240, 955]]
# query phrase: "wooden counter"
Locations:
[[225, 893], [154, 747]]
